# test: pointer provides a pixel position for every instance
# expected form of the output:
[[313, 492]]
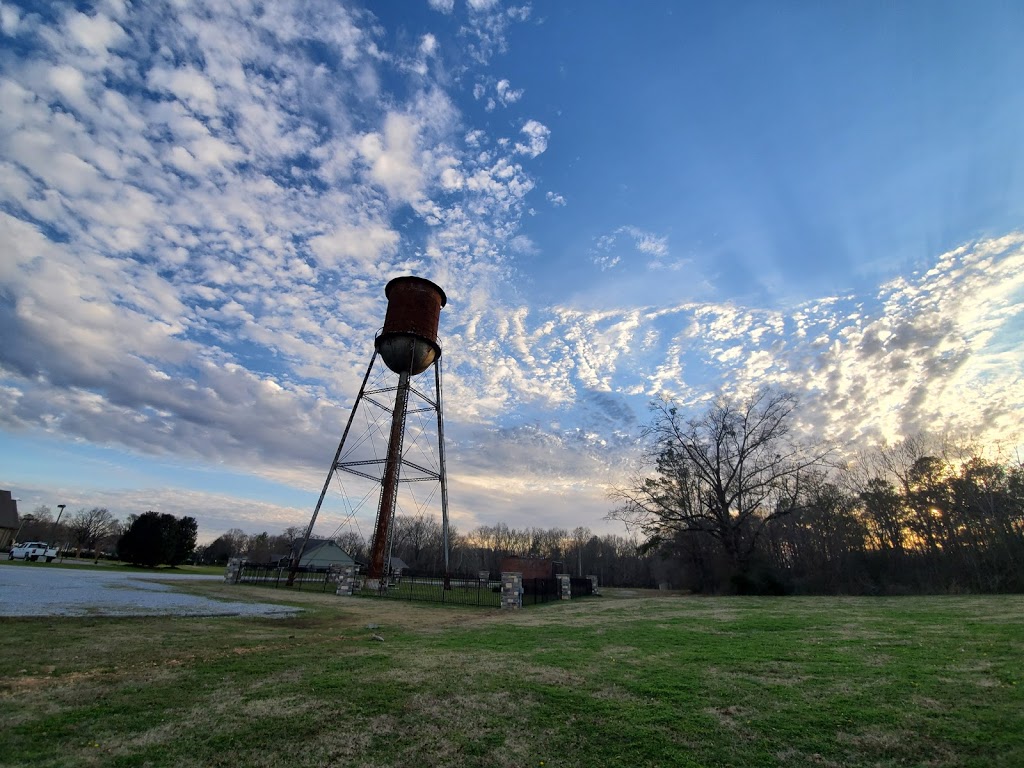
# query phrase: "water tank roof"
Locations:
[[407, 278]]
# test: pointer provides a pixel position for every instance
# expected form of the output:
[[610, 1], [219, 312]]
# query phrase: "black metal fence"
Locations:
[[540, 591], [277, 576], [581, 587], [453, 590]]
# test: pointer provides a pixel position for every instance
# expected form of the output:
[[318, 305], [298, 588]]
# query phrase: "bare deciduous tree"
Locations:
[[725, 474], [89, 528]]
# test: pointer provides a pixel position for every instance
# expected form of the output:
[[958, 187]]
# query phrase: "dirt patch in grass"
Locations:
[[735, 719], [877, 739], [19, 685], [618, 694], [786, 681], [345, 744], [551, 676], [796, 757], [221, 712], [489, 725]]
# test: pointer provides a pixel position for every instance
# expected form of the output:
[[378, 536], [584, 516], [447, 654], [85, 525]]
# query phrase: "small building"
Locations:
[[322, 553], [532, 567], [9, 522]]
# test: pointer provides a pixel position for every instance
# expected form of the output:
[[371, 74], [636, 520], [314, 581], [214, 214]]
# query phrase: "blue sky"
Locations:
[[200, 205]]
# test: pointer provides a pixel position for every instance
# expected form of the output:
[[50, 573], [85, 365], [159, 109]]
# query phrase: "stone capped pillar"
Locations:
[[511, 590], [564, 586], [234, 570], [347, 581], [594, 588]]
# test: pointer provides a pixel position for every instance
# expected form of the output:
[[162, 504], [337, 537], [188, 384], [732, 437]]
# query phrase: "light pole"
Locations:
[[53, 531]]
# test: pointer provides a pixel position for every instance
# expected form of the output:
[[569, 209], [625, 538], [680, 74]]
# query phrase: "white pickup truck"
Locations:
[[33, 550]]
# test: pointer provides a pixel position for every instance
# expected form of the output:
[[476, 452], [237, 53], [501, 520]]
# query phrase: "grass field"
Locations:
[[612, 681]]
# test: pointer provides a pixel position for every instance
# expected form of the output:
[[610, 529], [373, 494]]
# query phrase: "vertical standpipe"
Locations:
[[408, 346]]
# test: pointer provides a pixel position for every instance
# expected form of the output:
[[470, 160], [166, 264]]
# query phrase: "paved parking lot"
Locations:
[[41, 590]]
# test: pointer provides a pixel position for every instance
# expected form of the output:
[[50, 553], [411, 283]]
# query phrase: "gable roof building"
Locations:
[[8, 519], [323, 553]]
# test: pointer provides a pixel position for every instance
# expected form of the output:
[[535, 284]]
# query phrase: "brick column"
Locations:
[[511, 590], [564, 586], [347, 581], [234, 570], [595, 589]]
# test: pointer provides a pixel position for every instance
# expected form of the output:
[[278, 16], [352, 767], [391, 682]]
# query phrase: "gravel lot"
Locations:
[[42, 591]]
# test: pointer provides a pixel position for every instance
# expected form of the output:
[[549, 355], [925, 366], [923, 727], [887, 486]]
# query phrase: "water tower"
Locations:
[[407, 345]]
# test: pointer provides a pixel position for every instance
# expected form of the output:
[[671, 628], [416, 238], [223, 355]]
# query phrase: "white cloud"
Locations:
[[10, 19], [537, 135], [95, 33], [506, 94], [451, 179], [488, 26], [523, 245], [189, 85], [555, 199], [519, 13], [428, 45], [393, 157], [444, 6], [70, 83], [608, 250], [367, 244]]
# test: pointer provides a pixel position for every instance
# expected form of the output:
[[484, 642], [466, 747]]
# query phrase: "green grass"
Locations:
[[648, 681]]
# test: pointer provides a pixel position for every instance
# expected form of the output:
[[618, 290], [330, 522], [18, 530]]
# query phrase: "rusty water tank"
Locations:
[[408, 341]]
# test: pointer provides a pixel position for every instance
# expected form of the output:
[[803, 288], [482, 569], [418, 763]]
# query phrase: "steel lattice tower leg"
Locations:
[[381, 553], [330, 473]]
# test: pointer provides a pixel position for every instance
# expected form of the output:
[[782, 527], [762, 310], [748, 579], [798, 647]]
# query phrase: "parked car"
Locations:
[[33, 550]]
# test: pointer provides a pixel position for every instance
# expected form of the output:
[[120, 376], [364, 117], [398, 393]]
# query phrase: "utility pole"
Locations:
[[53, 530]]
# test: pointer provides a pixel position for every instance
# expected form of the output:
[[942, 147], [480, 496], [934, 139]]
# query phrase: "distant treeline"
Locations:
[[739, 505], [935, 526], [730, 502], [939, 525]]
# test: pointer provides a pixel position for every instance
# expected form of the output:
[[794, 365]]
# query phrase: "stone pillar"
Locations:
[[595, 589], [347, 581], [564, 586], [483, 577], [234, 570], [511, 590]]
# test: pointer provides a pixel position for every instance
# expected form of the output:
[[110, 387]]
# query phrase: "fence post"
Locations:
[[564, 586], [234, 570], [347, 581], [511, 590], [594, 588]]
